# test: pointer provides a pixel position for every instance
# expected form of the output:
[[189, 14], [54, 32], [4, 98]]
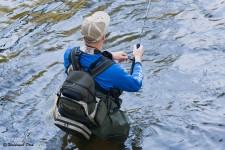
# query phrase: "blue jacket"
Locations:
[[114, 76]]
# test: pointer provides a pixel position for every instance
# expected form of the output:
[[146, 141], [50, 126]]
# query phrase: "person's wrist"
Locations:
[[138, 58], [114, 55]]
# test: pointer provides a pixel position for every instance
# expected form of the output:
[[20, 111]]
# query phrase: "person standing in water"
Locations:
[[112, 81]]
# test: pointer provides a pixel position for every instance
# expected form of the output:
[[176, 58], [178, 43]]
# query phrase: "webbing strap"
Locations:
[[54, 109], [75, 58], [100, 59], [95, 68], [101, 67]]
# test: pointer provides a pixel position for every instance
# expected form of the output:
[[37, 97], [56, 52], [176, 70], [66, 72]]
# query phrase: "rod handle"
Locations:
[[138, 45]]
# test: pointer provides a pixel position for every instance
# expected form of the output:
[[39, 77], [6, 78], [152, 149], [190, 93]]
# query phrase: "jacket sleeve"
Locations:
[[125, 82]]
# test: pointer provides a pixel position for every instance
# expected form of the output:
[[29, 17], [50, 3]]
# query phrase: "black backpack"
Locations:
[[79, 108]]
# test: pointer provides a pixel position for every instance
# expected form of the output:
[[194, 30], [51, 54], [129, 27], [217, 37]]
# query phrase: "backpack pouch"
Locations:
[[73, 110], [73, 127], [101, 112]]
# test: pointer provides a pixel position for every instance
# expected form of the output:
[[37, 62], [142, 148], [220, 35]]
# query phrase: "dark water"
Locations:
[[181, 104]]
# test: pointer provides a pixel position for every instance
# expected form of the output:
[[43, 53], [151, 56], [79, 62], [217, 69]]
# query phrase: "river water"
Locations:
[[181, 103]]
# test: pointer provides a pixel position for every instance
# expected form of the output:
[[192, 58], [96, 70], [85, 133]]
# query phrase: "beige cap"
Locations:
[[94, 27]]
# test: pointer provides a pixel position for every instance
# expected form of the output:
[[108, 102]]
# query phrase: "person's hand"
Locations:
[[120, 56], [138, 52]]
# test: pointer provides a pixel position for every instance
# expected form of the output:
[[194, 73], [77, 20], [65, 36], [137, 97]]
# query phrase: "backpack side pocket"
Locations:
[[101, 112]]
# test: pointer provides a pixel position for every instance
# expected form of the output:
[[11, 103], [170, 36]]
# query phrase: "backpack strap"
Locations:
[[74, 58], [96, 69], [55, 105]]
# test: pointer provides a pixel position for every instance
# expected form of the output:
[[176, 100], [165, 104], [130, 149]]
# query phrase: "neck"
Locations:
[[97, 46]]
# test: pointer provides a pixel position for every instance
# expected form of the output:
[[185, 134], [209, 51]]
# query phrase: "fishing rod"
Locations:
[[141, 35]]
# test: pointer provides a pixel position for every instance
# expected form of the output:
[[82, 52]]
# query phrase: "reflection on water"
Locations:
[[181, 103]]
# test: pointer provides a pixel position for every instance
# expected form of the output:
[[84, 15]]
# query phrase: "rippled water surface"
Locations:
[[182, 101]]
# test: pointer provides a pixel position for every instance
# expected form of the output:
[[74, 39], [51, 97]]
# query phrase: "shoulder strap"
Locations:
[[97, 69], [94, 69], [75, 58]]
